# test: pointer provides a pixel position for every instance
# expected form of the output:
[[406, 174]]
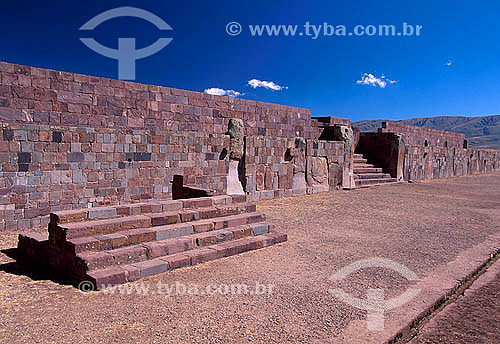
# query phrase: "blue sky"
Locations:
[[320, 74]]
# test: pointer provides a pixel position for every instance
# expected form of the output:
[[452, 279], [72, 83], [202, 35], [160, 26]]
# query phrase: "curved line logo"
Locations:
[[375, 304], [126, 54]]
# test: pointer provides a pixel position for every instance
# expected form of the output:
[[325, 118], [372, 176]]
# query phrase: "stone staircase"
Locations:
[[119, 244], [366, 175]]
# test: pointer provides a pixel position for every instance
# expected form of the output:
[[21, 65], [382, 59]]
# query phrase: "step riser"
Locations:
[[372, 176], [367, 170], [61, 233], [101, 213], [369, 182], [363, 166], [119, 275], [150, 250]]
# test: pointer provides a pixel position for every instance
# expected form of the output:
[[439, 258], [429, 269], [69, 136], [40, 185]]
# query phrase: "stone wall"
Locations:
[[418, 136], [48, 97], [430, 153], [70, 141], [439, 162]]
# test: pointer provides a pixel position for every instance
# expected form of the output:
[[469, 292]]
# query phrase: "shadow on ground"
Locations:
[[23, 266]]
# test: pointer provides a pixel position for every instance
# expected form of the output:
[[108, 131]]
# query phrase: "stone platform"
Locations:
[[119, 244]]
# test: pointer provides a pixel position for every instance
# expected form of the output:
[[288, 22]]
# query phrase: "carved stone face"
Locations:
[[235, 128], [343, 133], [235, 131]]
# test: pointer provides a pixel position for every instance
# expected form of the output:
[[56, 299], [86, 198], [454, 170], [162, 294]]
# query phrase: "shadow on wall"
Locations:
[[180, 191]]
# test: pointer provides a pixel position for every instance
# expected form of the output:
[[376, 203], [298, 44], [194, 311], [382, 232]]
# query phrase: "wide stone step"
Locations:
[[372, 176], [124, 273], [89, 261], [363, 166], [365, 170], [358, 156], [63, 232], [360, 161], [102, 242], [110, 212], [371, 182]]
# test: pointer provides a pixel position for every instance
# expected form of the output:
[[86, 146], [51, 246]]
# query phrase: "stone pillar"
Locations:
[[236, 157], [400, 148], [298, 160], [345, 134]]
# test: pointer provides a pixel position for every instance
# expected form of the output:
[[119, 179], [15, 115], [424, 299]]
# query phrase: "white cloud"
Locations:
[[372, 80], [448, 63], [220, 92], [266, 84]]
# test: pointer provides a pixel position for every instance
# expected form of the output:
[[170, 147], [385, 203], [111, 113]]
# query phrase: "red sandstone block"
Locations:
[[197, 202], [203, 226], [235, 220], [151, 267], [241, 232], [222, 200], [146, 207], [106, 277], [255, 243], [201, 255], [128, 255], [275, 238], [78, 245], [155, 207], [232, 209], [137, 236], [259, 228], [171, 205], [132, 273], [120, 223], [189, 215], [214, 237], [156, 249], [96, 227], [220, 251], [162, 219], [251, 208], [235, 247], [207, 213], [123, 210], [173, 231], [101, 213], [255, 217], [239, 198], [67, 216], [178, 245], [95, 260], [135, 209], [111, 241], [177, 261]]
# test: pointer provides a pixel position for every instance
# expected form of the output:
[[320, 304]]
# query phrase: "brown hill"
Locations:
[[482, 132]]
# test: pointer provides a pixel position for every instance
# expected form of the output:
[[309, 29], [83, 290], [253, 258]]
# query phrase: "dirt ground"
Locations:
[[473, 318], [422, 226]]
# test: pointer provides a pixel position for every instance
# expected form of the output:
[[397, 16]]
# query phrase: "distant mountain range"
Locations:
[[482, 132]]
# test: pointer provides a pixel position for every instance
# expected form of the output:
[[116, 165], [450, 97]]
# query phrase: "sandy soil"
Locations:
[[473, 318], [421, 225]]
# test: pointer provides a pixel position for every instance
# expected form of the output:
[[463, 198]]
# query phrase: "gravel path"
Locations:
[[421, 225]]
